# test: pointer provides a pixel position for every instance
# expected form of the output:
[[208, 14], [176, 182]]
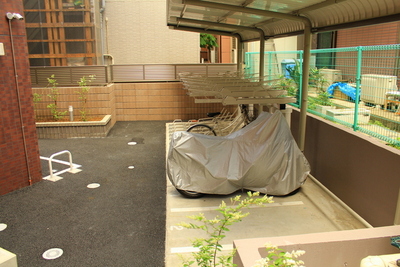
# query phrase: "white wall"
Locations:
[[286, 44], [138, 33], [279, 44]]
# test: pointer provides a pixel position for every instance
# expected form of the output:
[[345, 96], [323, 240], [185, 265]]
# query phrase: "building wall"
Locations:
[[19, 160], [380, 34], [61, 33], [137, 33], [226, 49]]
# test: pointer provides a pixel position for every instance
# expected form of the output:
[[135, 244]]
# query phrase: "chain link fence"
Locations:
[[355, 86]]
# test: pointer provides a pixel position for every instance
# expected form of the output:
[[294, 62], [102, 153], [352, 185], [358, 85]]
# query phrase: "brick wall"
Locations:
[[19, 160], [380, 34]]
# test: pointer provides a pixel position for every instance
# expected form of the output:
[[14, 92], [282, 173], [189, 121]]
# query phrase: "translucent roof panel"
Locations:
[[277, 18]]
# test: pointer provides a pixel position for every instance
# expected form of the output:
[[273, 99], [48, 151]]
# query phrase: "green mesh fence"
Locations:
[[354, 86]]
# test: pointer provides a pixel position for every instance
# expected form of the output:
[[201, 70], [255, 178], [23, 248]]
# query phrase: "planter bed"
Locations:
[[74, 129]]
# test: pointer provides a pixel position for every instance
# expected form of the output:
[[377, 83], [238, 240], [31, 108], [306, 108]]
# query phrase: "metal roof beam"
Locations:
[[255, 11], [218, 24], [203, 30]]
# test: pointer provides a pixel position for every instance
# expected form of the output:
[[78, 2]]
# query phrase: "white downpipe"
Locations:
[[341, 203], [10, 18]]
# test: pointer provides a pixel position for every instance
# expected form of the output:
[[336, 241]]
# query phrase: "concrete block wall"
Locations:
[[19, 152]]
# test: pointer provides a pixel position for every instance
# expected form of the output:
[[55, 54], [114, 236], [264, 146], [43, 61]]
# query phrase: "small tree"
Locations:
[[208, 41], [57, 115], [36, 99], [277, 257], [210, 248], [83, 95], [216, 228]]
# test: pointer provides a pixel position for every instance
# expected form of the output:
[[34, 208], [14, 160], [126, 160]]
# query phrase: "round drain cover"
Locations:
[[3, 226], [52, 253], [132, 143], [93, 185]]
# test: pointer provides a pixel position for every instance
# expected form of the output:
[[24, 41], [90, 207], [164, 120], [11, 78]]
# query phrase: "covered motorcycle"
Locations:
[[263, 157]]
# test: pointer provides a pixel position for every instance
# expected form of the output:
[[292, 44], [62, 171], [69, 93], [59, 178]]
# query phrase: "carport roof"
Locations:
[[247, 19]]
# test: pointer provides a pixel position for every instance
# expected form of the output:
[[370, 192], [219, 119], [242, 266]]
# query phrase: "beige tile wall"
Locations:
[[158, 101], [130, 102], [100, 102]]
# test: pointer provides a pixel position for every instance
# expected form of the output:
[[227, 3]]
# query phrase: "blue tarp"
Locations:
[[344, 88]]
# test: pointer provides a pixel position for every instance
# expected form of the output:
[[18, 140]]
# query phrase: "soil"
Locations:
[[66, 119]]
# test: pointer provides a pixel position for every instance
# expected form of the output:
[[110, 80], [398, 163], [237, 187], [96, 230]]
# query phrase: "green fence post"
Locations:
[[269, 65], [247, 64], [358, 83], [299, 96]]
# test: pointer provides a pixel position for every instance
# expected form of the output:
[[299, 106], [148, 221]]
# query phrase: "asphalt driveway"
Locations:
[[120, 223]]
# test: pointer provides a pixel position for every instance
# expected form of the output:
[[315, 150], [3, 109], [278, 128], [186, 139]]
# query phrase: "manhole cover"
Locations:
[[93, 185], [3, 226], [52, 253]]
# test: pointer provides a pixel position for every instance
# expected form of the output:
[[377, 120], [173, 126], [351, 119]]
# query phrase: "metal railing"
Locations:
[[70, 75], [359, 86], [164, 72]]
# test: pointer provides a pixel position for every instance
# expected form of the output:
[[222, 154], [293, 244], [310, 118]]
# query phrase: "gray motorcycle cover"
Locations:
[[263, 157]]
